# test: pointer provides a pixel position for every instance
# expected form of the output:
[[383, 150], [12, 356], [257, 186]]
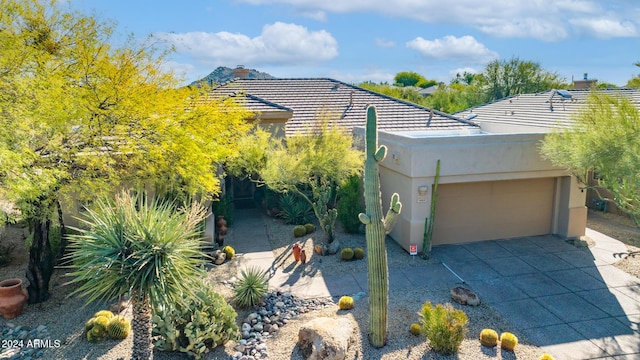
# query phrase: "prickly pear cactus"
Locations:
[[377, 228]]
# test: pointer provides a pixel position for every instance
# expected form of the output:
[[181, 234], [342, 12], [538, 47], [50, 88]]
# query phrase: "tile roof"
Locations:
[[311, 98], [547, 109]]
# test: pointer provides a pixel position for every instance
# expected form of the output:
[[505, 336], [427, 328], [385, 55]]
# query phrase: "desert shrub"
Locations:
[[350, 203], [415, 329], [229, 252], [5, 252], [251, 288], [197, 326], [310, 228], [358, 253], [489, 337], [294, 210], [299, 231], [508, 341], [444, 326], [224, 206], [346, 254], [345, 303]]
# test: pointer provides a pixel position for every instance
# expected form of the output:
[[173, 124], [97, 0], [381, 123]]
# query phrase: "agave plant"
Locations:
[[145, 248], [251, 288]]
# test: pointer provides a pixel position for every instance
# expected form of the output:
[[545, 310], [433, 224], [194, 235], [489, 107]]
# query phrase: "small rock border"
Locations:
[[275, 311]]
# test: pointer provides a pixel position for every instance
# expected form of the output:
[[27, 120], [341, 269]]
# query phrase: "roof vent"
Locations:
[[564, 93], [430, 116], [471, 116]]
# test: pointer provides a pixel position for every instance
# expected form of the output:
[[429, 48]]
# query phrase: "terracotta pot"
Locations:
[[12, 298], [296, 252], [303, 257], [220, 221]]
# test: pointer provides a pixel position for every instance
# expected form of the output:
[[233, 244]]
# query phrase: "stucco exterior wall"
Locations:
[[411, 163]]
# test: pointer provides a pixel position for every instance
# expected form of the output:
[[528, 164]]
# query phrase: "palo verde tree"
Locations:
[[80, 118], [316, 162], [606, 139], [505, 78]]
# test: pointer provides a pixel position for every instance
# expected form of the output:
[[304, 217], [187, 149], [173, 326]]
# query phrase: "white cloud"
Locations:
[[318, 15], [464, 49], [278, 44], [182, 70], [543, 20], [385, 43], [605, 28]]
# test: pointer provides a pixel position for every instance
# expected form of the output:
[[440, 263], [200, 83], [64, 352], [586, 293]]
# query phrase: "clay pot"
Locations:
[[303, 257], [296, 252], [220, 221], [12, 298]]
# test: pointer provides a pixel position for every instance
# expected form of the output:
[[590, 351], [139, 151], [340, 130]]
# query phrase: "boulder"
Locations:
[[465, 296], [325, 339]]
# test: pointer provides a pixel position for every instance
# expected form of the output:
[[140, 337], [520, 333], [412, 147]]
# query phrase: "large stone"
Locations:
[[465, 296], [325, 339]]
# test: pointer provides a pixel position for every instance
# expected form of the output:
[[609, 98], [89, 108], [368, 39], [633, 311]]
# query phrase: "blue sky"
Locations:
[[357, 40]]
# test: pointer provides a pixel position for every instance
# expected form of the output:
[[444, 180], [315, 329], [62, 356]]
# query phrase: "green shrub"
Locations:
[[251, 288], [345, 303], [294, 210], [358, 253], [350, 203], [444, 326], [415, 329], [310, 228], [196, 327], [224, 206], [346, 254], [299, 231]]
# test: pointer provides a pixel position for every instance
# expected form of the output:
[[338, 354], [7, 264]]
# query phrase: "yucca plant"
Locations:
[[251, 288], [294, 210], [145, 248]]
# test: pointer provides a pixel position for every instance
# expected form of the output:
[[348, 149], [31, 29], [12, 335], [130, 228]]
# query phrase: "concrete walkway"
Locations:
[[570, 301]]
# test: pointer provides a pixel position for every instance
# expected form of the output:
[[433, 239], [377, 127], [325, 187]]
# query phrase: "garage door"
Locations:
[[493, 210]]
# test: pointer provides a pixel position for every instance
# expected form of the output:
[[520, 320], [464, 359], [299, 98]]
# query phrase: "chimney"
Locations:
[[585, 83], [240, 72]]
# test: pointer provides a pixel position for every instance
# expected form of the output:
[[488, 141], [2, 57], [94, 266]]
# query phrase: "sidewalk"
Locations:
[[570, 301]]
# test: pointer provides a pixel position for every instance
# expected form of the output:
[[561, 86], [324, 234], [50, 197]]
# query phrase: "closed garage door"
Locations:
[[493, 210]]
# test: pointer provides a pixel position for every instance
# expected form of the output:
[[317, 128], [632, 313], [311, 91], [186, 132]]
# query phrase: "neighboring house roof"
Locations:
[[310, 99], [549, 109], [428, 90]]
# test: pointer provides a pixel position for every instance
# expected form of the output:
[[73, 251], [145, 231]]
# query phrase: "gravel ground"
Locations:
[[64, 316], [623, 229]]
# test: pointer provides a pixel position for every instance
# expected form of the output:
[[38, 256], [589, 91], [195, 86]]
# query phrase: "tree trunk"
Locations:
[[40, 266], [63, 237], [141, 325]]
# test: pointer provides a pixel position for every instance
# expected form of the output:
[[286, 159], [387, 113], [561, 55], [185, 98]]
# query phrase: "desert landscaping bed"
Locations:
[[62, 318]]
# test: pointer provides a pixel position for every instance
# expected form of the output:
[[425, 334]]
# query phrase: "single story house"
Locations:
[[493, 182]]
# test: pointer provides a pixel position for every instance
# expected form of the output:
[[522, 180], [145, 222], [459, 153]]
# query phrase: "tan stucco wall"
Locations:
[[411, 162]]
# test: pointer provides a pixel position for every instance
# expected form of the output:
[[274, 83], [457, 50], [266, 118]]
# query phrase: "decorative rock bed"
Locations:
[[276, 311], [22, 342]]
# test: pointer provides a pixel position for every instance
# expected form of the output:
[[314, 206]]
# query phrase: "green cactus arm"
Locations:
[[381, 153], [364, 218], [391, 217]]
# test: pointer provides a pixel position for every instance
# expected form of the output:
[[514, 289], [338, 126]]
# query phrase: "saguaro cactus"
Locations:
[[377, 228]]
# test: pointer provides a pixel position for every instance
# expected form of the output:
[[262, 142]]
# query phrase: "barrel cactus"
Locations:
[[310, 228], [508, 341], [546, 356], [229, 252], [119, 327], [346, 254], [377, 227], [345, 303], [106, 313], [415, 329], [488, 337], [299, 231], [358, 253], [96, 327]]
